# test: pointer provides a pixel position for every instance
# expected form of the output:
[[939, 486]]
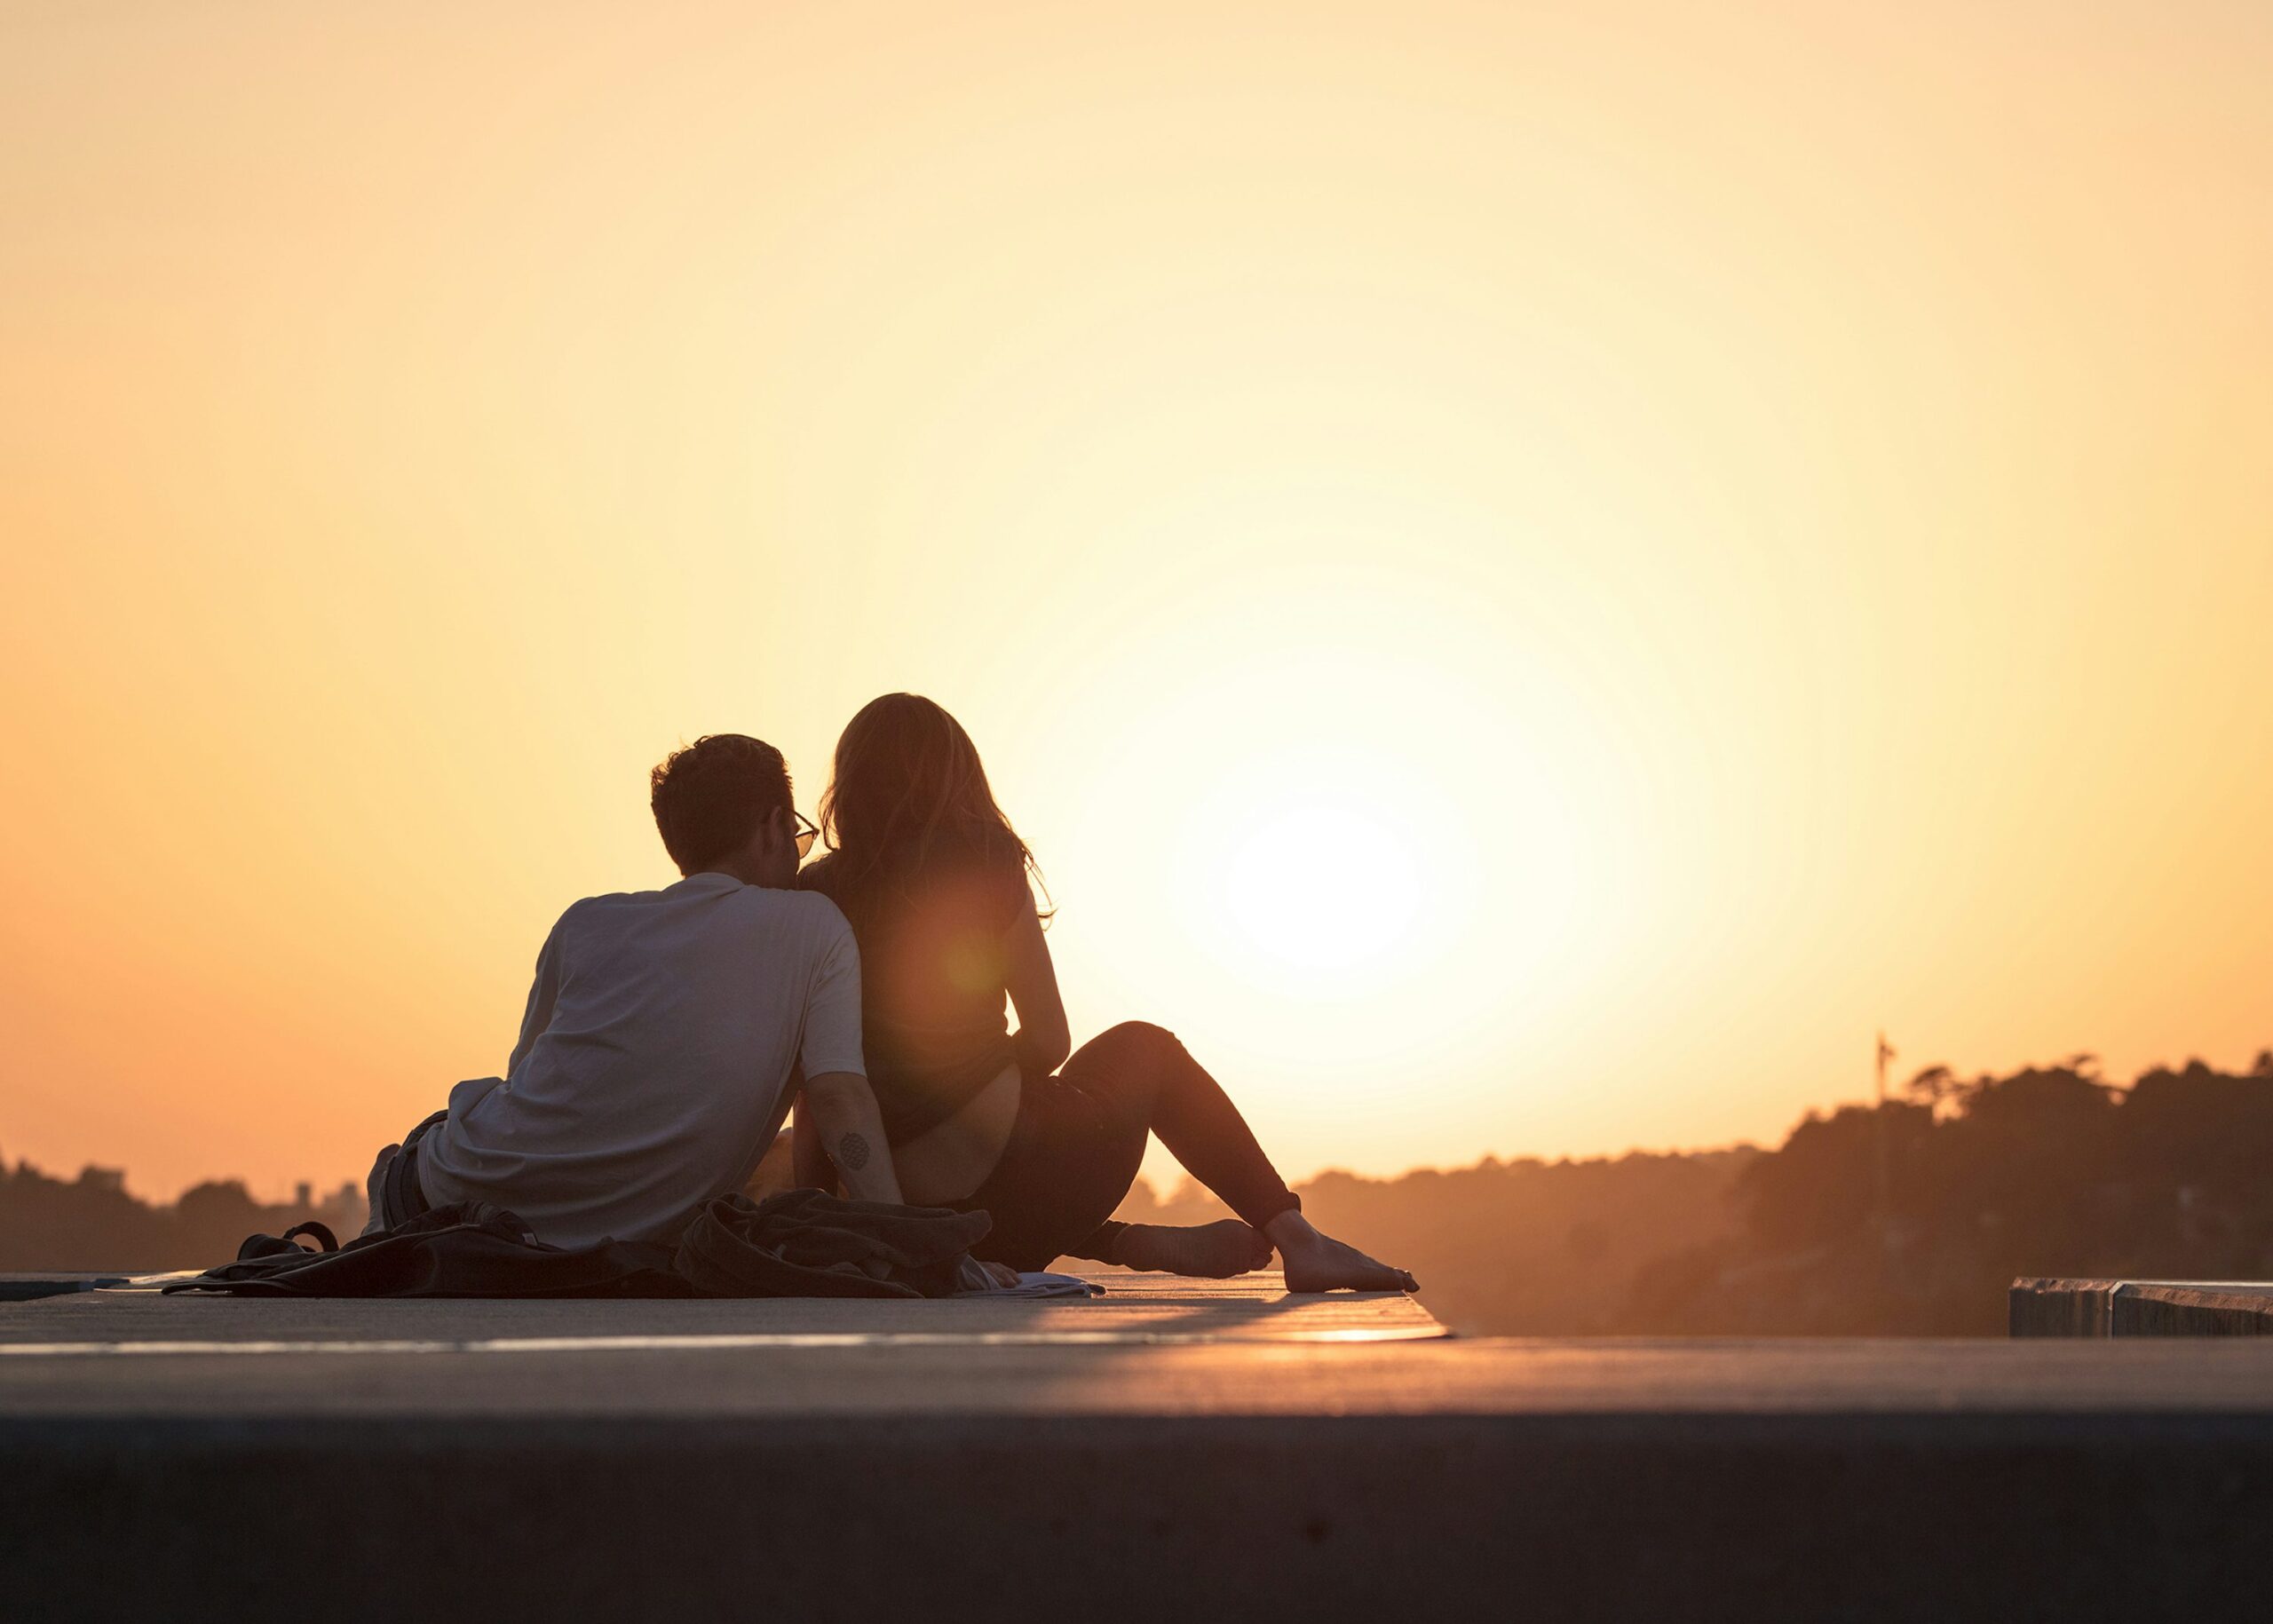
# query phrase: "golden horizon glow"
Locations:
[[1533, 576]]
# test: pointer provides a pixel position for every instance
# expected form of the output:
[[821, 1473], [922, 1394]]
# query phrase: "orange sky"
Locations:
[[1534, 574]]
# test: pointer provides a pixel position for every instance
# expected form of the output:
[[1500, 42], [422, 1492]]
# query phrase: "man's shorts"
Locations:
[[401, 1197]]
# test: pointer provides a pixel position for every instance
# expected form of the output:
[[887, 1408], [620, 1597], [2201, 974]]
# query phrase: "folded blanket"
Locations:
[[805, 1243]]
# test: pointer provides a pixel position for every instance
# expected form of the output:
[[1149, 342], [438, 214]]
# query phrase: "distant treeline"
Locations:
[[90, 1223], [2052, 1170], [1908, 1220], [1911, 1218]]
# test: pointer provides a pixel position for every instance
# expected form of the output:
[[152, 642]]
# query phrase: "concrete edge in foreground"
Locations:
[[1104, 1517]]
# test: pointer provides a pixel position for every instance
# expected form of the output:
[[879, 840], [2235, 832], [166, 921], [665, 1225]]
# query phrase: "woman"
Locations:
[[933, 879]]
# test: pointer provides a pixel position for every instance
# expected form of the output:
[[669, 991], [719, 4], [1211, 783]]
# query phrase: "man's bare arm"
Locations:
[[842, 1111], [809, 1162]]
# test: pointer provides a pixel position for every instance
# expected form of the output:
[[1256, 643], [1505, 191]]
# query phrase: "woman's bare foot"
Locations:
[[1314, 1262], [1215, 1251]]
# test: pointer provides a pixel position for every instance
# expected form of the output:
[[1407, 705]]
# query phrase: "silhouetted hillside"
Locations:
[[1513, 1249], [2052, 1170]]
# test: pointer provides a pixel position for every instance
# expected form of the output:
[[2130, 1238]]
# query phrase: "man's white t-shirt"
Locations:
[[654, 1060]]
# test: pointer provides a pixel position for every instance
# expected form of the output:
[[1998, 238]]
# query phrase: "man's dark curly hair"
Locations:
[[711, 796]]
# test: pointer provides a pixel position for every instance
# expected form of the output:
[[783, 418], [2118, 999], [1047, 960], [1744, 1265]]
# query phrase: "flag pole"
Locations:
[[1878, 1139]]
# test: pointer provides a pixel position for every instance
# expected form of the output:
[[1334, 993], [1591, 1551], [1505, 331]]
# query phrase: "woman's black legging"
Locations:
[[1078, 1139]]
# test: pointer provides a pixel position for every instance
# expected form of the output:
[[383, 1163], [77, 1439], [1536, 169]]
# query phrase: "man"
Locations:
[[664, 1032]]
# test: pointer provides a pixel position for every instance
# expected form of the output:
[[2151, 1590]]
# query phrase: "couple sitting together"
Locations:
[[669, 1033]]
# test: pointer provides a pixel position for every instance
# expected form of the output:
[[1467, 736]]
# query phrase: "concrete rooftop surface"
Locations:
[[1174, 1449]]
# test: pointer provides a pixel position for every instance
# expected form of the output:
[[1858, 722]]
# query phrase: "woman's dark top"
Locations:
[[934, 955]]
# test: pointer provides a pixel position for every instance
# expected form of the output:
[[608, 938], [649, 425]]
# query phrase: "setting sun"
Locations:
[[1320, 887]]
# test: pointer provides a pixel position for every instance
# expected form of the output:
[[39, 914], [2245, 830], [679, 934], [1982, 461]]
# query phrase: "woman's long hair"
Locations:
[[906, 787]]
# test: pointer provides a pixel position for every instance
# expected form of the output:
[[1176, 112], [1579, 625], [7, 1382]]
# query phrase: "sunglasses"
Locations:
[[806, 833]]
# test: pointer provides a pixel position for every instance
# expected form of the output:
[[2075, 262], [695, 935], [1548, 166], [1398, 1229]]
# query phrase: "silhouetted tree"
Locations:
[[2051, 1170]]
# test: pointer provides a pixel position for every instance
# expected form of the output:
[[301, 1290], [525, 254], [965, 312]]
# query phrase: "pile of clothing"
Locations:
[[801, 1243]]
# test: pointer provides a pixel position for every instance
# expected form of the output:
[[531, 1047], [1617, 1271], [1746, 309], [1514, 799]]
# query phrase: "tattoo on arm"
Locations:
[[852, 1152]]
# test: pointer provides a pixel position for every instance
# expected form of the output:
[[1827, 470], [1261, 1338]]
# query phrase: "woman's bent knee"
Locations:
[[1141, 1035]]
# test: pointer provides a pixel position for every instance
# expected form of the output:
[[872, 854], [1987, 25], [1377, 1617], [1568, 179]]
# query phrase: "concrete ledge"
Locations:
[[1188, 1460], [30, 1288], [2058, 1308], [1107, 1518], [2139, 1308], [2148, 1308]]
